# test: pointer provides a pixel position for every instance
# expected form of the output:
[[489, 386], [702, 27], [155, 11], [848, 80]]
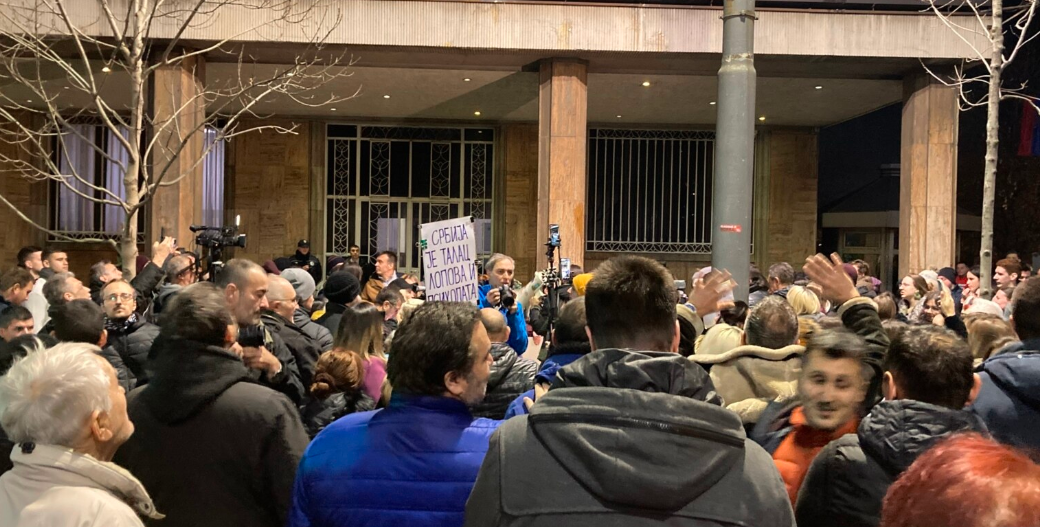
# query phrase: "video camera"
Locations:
[[214, 240], [218, 236]]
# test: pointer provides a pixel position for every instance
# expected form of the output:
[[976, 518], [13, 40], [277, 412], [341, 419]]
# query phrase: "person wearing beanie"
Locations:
[[341, 290], [949, 277], [303, 283], [580, 282]]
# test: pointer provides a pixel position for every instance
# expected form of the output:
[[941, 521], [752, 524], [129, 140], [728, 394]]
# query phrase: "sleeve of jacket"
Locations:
[[288, 380], [517, 330], [484, 506], [324, 337], [860, 316], [126, 378], [814, 498], [147, 280], [283, 449], [956, 325]]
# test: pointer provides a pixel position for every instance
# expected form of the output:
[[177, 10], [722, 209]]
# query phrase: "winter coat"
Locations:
[[162, 299], [546, 375], [372, 288], [756, 296], [288, 381], [331, 317], [750, 377], [213, 447], [53, 486], [316, 331], [133, 343], [126, 377], [38, 305], [847, 481], [318, 414], [413, 463], [627, 438], [515, 321], [511, 375], [1009, 401], [304, 349]]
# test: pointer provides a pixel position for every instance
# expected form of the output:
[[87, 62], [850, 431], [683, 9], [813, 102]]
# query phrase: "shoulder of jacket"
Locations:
[[69, 505]]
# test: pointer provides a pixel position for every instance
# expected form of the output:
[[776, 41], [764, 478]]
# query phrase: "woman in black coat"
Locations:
[[336, 390]]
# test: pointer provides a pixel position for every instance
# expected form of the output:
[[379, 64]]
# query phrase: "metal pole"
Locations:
[[735, 145]]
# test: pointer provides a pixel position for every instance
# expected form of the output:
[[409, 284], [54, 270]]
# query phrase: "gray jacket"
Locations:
[[633, 439], [313, 330]]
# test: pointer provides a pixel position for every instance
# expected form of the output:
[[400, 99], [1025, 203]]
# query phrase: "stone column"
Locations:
[[176, 207], [928, 186], [562, 130]]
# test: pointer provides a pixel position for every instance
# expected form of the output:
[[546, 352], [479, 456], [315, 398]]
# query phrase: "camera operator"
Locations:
[[245, 289], [498, 294]]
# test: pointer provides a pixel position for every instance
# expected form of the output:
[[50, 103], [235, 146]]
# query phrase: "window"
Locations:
[[650, 191], [91, 174]]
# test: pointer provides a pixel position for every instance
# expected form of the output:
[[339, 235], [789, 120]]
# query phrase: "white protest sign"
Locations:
[[448, 251]]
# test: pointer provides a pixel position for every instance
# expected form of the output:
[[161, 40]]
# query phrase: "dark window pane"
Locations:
[[400, 162], [342, 130]]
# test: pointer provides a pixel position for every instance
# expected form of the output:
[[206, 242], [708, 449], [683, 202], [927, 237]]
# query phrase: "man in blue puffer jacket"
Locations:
[[500, 269], [413, 463], [1009, 401], [570, 343]]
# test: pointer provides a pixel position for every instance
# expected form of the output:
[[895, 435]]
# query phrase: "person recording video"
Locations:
[[498, 294]]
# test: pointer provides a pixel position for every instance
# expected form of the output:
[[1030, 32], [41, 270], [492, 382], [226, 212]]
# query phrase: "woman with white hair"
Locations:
[[65, 411]]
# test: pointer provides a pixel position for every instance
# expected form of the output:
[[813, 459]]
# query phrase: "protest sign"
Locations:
[[449, 249]]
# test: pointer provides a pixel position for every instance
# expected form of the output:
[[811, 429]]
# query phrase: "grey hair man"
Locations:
[[282, 304], [66, 412], [200, 388], [303, 283], [781, 278], [500, 269], [245, 291]]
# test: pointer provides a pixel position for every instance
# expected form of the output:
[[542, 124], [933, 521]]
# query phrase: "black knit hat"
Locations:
[[948, 273], [342, 287]]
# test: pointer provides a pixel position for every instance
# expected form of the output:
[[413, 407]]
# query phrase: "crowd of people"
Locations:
[[291, 393]]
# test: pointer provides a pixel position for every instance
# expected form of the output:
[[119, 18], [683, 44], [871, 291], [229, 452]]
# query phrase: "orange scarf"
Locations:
[[797, 451]]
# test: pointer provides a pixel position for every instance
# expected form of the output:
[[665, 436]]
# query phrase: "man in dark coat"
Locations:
[[628, 437], [303, 259], [341, 290], [83, 321], [511, 375], [144, 282], [128, 334], [1009, 401], [272, 364], [927, 382], [303, 284], [212, 447], [281, 300]]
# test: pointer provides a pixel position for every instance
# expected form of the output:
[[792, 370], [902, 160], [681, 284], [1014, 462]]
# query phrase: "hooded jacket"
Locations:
[[213, 448], [848, 479], [627, 438], [412, 464], [133, 342], [54, 486], [318, 414], [1009, 401], [750, 377], [303, 348], [316, 331], [547, 373], [511, 375]]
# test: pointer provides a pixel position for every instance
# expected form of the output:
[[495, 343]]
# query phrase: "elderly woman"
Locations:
[[65, 411]]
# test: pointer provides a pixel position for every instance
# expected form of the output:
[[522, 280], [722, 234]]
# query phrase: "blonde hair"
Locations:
[[804, 301], [987, 333]]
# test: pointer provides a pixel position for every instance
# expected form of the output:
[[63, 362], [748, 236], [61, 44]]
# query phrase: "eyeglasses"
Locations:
[[125, 297]]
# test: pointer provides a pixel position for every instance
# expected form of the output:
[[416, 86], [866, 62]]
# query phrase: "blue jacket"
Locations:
[[516, 322], [1009, 401], [412, 464], [546, 374]]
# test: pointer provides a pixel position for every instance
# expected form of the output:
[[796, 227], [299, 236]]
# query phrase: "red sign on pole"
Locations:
[[730, 228]]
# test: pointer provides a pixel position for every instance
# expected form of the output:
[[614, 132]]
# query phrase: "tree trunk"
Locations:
[[996, 35]]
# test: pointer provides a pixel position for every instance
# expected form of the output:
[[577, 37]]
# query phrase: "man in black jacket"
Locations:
[[281, 300], [83, 321], [927, 383], [658, 450], [303, 259], [511, 375], [303, 284], [144, 283], [212, 447], [128, 334], [273, 365]]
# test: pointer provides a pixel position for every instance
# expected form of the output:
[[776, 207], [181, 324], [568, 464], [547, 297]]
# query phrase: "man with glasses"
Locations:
[[129, 334], [282, 304]]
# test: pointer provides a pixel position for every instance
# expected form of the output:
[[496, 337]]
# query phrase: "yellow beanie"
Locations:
[[580, 282]]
